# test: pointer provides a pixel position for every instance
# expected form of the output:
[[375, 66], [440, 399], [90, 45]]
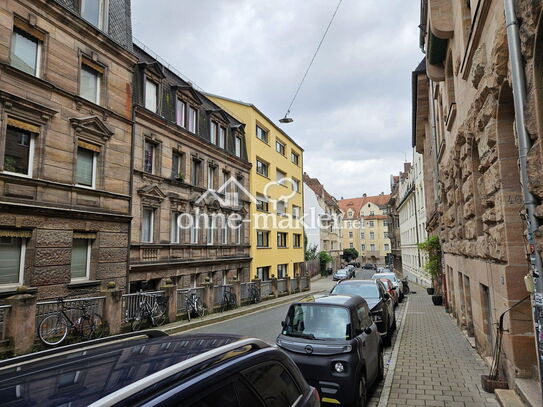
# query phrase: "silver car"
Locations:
[[396, 283]]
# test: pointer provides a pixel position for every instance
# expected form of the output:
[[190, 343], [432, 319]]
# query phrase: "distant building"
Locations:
[[322, 218], [412, 218], [365, 227], [395, 260]]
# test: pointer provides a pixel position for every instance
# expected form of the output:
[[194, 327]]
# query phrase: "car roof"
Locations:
[[359, 282], [342, 299], [107, 368]]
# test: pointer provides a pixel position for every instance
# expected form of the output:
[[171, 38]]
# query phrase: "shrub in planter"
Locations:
[[433, 267], [430, 290], [437, 299]]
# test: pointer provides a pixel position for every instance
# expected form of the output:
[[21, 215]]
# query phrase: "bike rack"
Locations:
[[16, 361]]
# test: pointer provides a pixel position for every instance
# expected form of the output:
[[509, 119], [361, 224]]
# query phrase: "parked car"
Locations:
[[379, 300], [398, 286], [150, 367], [336, 345], [352, 269], [369, 266], [386, 270], [341, 274], [390, 290]]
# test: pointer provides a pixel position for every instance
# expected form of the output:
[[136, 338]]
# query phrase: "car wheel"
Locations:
[[393, 327], [362, 393], [400, 298], [381, 369]]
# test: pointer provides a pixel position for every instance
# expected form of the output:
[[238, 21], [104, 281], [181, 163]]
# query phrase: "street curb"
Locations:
[[387, 386], [242, 311]]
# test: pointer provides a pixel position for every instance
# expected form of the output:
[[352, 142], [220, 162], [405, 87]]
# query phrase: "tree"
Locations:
[[350, 254], [433, 267], [324, 259]]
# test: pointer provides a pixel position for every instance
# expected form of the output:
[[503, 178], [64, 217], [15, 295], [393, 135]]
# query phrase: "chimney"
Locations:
[[382, 193], [364, 195], [341, 197]]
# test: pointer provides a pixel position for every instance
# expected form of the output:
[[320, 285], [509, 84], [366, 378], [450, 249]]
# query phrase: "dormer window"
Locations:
[[213, 133], [151, 95], [181, 113], [222, 137], [193, 119], [238, 146], [94, 12]]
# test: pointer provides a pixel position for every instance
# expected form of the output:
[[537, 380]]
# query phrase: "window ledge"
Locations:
[[9, 291], [86, 283]]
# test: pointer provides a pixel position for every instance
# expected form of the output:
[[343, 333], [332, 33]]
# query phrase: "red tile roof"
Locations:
[[357, 203], [318, 188]]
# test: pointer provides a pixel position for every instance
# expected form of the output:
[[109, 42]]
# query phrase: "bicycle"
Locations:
[[152, 308], [405, 283], [254, 294], [228, 299], [194, 305], [54, 328]]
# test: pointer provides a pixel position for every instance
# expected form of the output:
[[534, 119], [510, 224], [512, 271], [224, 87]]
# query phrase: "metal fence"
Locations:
[[182, 297], [282, 286], [218, 293], [4, 311], [72, 308], [293, 284], [304, 281], [131, 303], [245, 289], [265, 288]]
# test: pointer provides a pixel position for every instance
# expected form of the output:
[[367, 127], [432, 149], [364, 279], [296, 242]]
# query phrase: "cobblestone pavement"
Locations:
[[435, 365]]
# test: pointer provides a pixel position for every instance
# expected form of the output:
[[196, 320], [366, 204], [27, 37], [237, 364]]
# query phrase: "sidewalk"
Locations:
[[435, 365]]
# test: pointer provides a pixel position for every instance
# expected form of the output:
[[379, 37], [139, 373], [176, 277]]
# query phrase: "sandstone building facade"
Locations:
[[464, 127], [65, 144]]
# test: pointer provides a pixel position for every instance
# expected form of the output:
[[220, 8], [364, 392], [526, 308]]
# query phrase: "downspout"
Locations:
[[131, 190], [524, 145]]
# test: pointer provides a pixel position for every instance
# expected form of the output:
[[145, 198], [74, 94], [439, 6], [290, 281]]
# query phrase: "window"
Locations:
[[85, 167], [281, 208], [262, 203], [177, 171], [262, 238], [280, 147], [372, 247], [94, 12], [211, 177], [193, 118], [350, 235], [351, 245], [222, 137], [213, 133], [387, 247], [224, 231], [273, 382], [297, 240], [147, 225], [261, 134], [180, 113], [238, 146], [261, 168], [282, 270], [80, 264], [194, 226], [385, 235], [151, 95], [280, 177], [89, 86], [25, 51], [281, 239], [210, 229], [372, 235], [372, 213], [362, 236], [295, 158], [12, 253], [239, 231], [175, 228], [385, 223], [149, 157], [263, 273], [363, 247], [371, 223], [19, 151], [195, 172], [295, 211]]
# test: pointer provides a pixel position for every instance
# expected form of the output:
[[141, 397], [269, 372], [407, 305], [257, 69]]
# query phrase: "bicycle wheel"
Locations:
[[53, 329], [137, 322], [233, 302], [92, 327], [189, 309], [159, 315], [224, 304], [200, 309]]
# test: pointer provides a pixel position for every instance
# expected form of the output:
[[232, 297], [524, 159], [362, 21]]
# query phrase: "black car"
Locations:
[[370, 266], [150, 368], [336, 345], [378, 299], [341, 274]]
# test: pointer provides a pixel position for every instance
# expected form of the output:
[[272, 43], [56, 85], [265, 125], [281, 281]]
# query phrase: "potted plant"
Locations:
[[180, 177], [433, 267]]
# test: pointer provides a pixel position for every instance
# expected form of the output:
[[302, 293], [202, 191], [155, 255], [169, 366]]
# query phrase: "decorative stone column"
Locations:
[[170, 291], [298, 283], [289, 291], [275, 292], [208, 296], [112, 311], [236, 289], [21, 322]]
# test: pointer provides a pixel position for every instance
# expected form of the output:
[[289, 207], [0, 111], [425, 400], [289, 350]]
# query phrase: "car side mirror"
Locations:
[[283, 324], [368, 330]]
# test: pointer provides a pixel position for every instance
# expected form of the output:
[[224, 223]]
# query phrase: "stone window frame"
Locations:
[[220, 124], [212, 167], [155, 232], [104, 17], [157, 156], [29, 26], [200, 179], [178, 151], [91, 60], [24, 235], [98, 146], [148, 76], [90, 237]]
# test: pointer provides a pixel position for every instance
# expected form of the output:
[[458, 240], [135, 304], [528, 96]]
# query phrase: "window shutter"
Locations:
[[23, 125], [27, 28]]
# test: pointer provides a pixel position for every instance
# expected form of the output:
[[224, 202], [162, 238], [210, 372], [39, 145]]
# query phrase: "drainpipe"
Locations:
[[524, 145]]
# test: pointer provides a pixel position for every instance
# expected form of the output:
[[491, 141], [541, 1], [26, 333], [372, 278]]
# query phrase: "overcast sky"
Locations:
[[353, 113]]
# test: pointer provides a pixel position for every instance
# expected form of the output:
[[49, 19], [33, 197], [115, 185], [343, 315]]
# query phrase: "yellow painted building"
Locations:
[[277, 246]]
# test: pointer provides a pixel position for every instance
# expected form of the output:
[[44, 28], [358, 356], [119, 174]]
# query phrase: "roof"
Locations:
[[239, 102], [419, 70], [357, 203], [343, 300], [102, 370], [319, 190]]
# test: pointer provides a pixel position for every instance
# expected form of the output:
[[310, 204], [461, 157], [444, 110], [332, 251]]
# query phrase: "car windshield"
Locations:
[[341, 272], [317, 322], [363, 290]]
